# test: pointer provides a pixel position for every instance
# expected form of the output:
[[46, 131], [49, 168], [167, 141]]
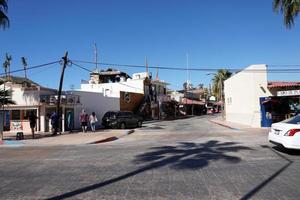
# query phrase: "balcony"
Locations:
[[68, 99]]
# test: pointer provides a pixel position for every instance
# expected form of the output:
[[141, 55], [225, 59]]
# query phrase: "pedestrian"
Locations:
[[83, 118], [93, 120], [54, 123], [32, 121], [70, 121]]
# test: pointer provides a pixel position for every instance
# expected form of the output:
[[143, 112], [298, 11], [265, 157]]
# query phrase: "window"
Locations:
[[293, 120], [26, 113], [15, 114]]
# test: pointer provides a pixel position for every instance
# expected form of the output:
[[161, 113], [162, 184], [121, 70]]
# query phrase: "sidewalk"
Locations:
[[77, 138], [234, 126]]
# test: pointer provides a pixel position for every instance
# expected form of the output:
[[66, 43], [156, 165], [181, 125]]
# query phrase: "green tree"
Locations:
[[6, 64], [218, 83], [289, 8], [4, 21]]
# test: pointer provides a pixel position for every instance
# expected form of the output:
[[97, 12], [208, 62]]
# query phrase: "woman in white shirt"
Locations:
[[93, 120]]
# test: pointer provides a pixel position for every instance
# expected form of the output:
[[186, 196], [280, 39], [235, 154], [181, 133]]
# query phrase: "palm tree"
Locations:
[[289, 8], [5, 97], [218, 82], [4, 21], [6, 65]]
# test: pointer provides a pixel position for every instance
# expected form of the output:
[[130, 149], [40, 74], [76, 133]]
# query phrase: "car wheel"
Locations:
[[122, 125], [139, 124]]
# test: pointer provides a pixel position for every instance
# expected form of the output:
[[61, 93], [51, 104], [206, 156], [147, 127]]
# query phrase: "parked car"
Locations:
[[121, 119], [286, 133]]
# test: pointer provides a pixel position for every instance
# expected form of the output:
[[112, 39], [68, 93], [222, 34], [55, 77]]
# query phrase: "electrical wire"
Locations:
[[81, 67], [30, 68], [287, 70]]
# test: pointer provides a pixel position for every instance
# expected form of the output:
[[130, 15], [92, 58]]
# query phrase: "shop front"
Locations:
[[284, 104]]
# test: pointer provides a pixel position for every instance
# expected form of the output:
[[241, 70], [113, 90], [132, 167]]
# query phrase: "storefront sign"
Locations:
[[288, 93]]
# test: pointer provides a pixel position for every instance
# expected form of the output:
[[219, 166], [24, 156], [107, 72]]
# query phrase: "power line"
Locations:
[[81, 67], [288, 70], [33, 67]]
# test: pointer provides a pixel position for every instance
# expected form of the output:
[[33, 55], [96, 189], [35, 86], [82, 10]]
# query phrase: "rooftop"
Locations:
[[279, 84]]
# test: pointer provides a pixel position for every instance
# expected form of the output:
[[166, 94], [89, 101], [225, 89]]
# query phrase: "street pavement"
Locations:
[[191, 158]]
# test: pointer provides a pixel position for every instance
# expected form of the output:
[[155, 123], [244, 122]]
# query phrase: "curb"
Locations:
[[224, 125], [11, 143], [112, 138]]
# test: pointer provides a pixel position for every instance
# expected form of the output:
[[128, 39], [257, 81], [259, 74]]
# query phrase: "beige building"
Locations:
[[252, 100], [242, 93]]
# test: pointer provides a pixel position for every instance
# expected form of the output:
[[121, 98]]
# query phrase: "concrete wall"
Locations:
[[242, 92], [94, 102]]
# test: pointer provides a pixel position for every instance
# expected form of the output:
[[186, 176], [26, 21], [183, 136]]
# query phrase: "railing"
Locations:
[[64, 99]]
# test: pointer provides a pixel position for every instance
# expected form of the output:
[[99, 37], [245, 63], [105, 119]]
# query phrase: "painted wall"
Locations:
[[130, 101], [94, 102], [242, 92]]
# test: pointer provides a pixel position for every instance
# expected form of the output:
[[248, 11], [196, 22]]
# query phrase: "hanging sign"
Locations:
[[288, 93]]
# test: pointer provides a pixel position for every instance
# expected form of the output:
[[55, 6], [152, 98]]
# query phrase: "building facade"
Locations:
[[252, 100]]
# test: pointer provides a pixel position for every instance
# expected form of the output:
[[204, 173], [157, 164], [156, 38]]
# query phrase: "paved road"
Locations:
[[183, 159]]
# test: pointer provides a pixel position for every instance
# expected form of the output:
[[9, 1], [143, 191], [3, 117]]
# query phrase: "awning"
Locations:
[[186, 101]]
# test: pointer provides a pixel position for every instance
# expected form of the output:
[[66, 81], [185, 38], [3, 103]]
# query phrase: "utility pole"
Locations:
[[65, 62]]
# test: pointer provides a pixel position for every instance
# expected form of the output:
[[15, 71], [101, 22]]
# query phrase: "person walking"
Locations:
[[54, 123], [32, 121], [83, 118], [70, 121], [93, 120]]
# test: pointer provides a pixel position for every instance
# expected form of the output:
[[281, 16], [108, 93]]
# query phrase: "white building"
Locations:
[[252, 100], [31, 97], [111, 88], [242, 94], [112, 83]]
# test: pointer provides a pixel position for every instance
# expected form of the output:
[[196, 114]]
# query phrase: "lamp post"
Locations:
[[2, 109]]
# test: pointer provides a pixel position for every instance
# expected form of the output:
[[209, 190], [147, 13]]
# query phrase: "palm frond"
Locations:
[[3, 5], [4, 21], [289, 9], [5, 97]]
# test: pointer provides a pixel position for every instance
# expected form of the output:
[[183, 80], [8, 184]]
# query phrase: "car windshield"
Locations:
[[293, 120]]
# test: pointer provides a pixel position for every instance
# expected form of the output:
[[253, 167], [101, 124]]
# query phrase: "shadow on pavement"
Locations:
[[183, 156], [275, 149], [281, 149]]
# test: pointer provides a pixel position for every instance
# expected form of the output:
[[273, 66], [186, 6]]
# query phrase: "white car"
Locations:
[[286, 133]]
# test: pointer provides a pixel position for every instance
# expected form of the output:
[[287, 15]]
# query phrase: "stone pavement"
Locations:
[[76, 138]]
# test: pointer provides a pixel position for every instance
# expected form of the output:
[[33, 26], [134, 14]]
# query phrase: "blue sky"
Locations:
[[216, 34]]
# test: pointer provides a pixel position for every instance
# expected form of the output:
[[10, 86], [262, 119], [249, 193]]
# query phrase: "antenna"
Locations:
[[187, 69], [96, 55], [24, 62], [146, 63]]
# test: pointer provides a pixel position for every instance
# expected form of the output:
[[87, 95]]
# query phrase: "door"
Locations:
[[266, 111]]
